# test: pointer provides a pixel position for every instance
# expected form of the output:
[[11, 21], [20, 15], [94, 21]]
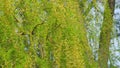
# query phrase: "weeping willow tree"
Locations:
[[43, 34], [105, 35]]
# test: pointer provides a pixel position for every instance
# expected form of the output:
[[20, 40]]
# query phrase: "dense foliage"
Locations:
[[43, 34], [56, 33]]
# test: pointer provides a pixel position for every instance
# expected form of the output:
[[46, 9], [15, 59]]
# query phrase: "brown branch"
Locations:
[[35, 27]]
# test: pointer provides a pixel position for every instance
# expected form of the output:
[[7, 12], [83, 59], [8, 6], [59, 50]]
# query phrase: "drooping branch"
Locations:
[[105, 34]]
